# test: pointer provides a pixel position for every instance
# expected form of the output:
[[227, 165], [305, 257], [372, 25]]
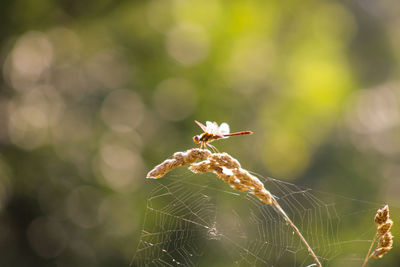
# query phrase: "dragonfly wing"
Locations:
[[224, 128], [210, 127], [204, 128], [216, 128]]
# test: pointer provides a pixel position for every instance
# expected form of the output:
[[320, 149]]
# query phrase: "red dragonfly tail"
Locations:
[[238, 133]]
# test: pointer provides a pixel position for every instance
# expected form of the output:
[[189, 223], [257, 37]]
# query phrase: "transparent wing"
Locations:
[[211, 127], [224, 128], [204, 128], [216, 128]]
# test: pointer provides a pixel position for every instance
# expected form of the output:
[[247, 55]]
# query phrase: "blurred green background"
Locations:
[[95, 93]]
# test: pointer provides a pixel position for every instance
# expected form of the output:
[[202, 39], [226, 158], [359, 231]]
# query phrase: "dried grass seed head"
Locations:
[[226, 160], [385, 241], [379, 252], [179, 159], [263, 195], [385, 227], [382, 215], [200, 167]]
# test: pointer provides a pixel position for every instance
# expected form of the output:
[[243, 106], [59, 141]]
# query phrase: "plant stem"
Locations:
[[276, 205], [369, 250]]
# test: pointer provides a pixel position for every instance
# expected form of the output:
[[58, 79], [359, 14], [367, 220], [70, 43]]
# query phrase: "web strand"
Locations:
[[189, 217]]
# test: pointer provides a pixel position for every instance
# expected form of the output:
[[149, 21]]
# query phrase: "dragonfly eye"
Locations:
[[196, 139]]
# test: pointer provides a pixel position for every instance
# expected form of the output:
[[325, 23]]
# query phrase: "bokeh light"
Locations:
[[175, 99], [47, 237], [31, 56], [122, 110], [93, 96], [187, 44]]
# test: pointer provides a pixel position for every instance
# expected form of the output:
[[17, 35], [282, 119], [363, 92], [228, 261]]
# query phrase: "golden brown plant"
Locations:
[[385, 240], [229, 170], [179, 159]]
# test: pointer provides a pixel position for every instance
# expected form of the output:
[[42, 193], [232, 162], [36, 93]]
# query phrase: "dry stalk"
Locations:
[[385, 241], [229, 170]]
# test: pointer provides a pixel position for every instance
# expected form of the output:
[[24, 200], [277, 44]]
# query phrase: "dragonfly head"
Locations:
[[196, 139]]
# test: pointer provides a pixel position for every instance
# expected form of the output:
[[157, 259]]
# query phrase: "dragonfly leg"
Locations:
[[202, 144], [205, 146], [213, 148]]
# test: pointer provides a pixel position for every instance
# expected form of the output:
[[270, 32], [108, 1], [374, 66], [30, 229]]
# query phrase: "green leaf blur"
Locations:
[[95, 93]]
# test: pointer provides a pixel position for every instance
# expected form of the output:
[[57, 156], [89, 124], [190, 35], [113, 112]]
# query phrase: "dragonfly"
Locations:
[[214, 132]]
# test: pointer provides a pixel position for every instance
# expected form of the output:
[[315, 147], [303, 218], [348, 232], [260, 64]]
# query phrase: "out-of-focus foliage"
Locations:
[[93, 94]]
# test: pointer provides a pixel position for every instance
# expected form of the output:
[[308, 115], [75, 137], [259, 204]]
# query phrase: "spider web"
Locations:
[[197, 220]]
